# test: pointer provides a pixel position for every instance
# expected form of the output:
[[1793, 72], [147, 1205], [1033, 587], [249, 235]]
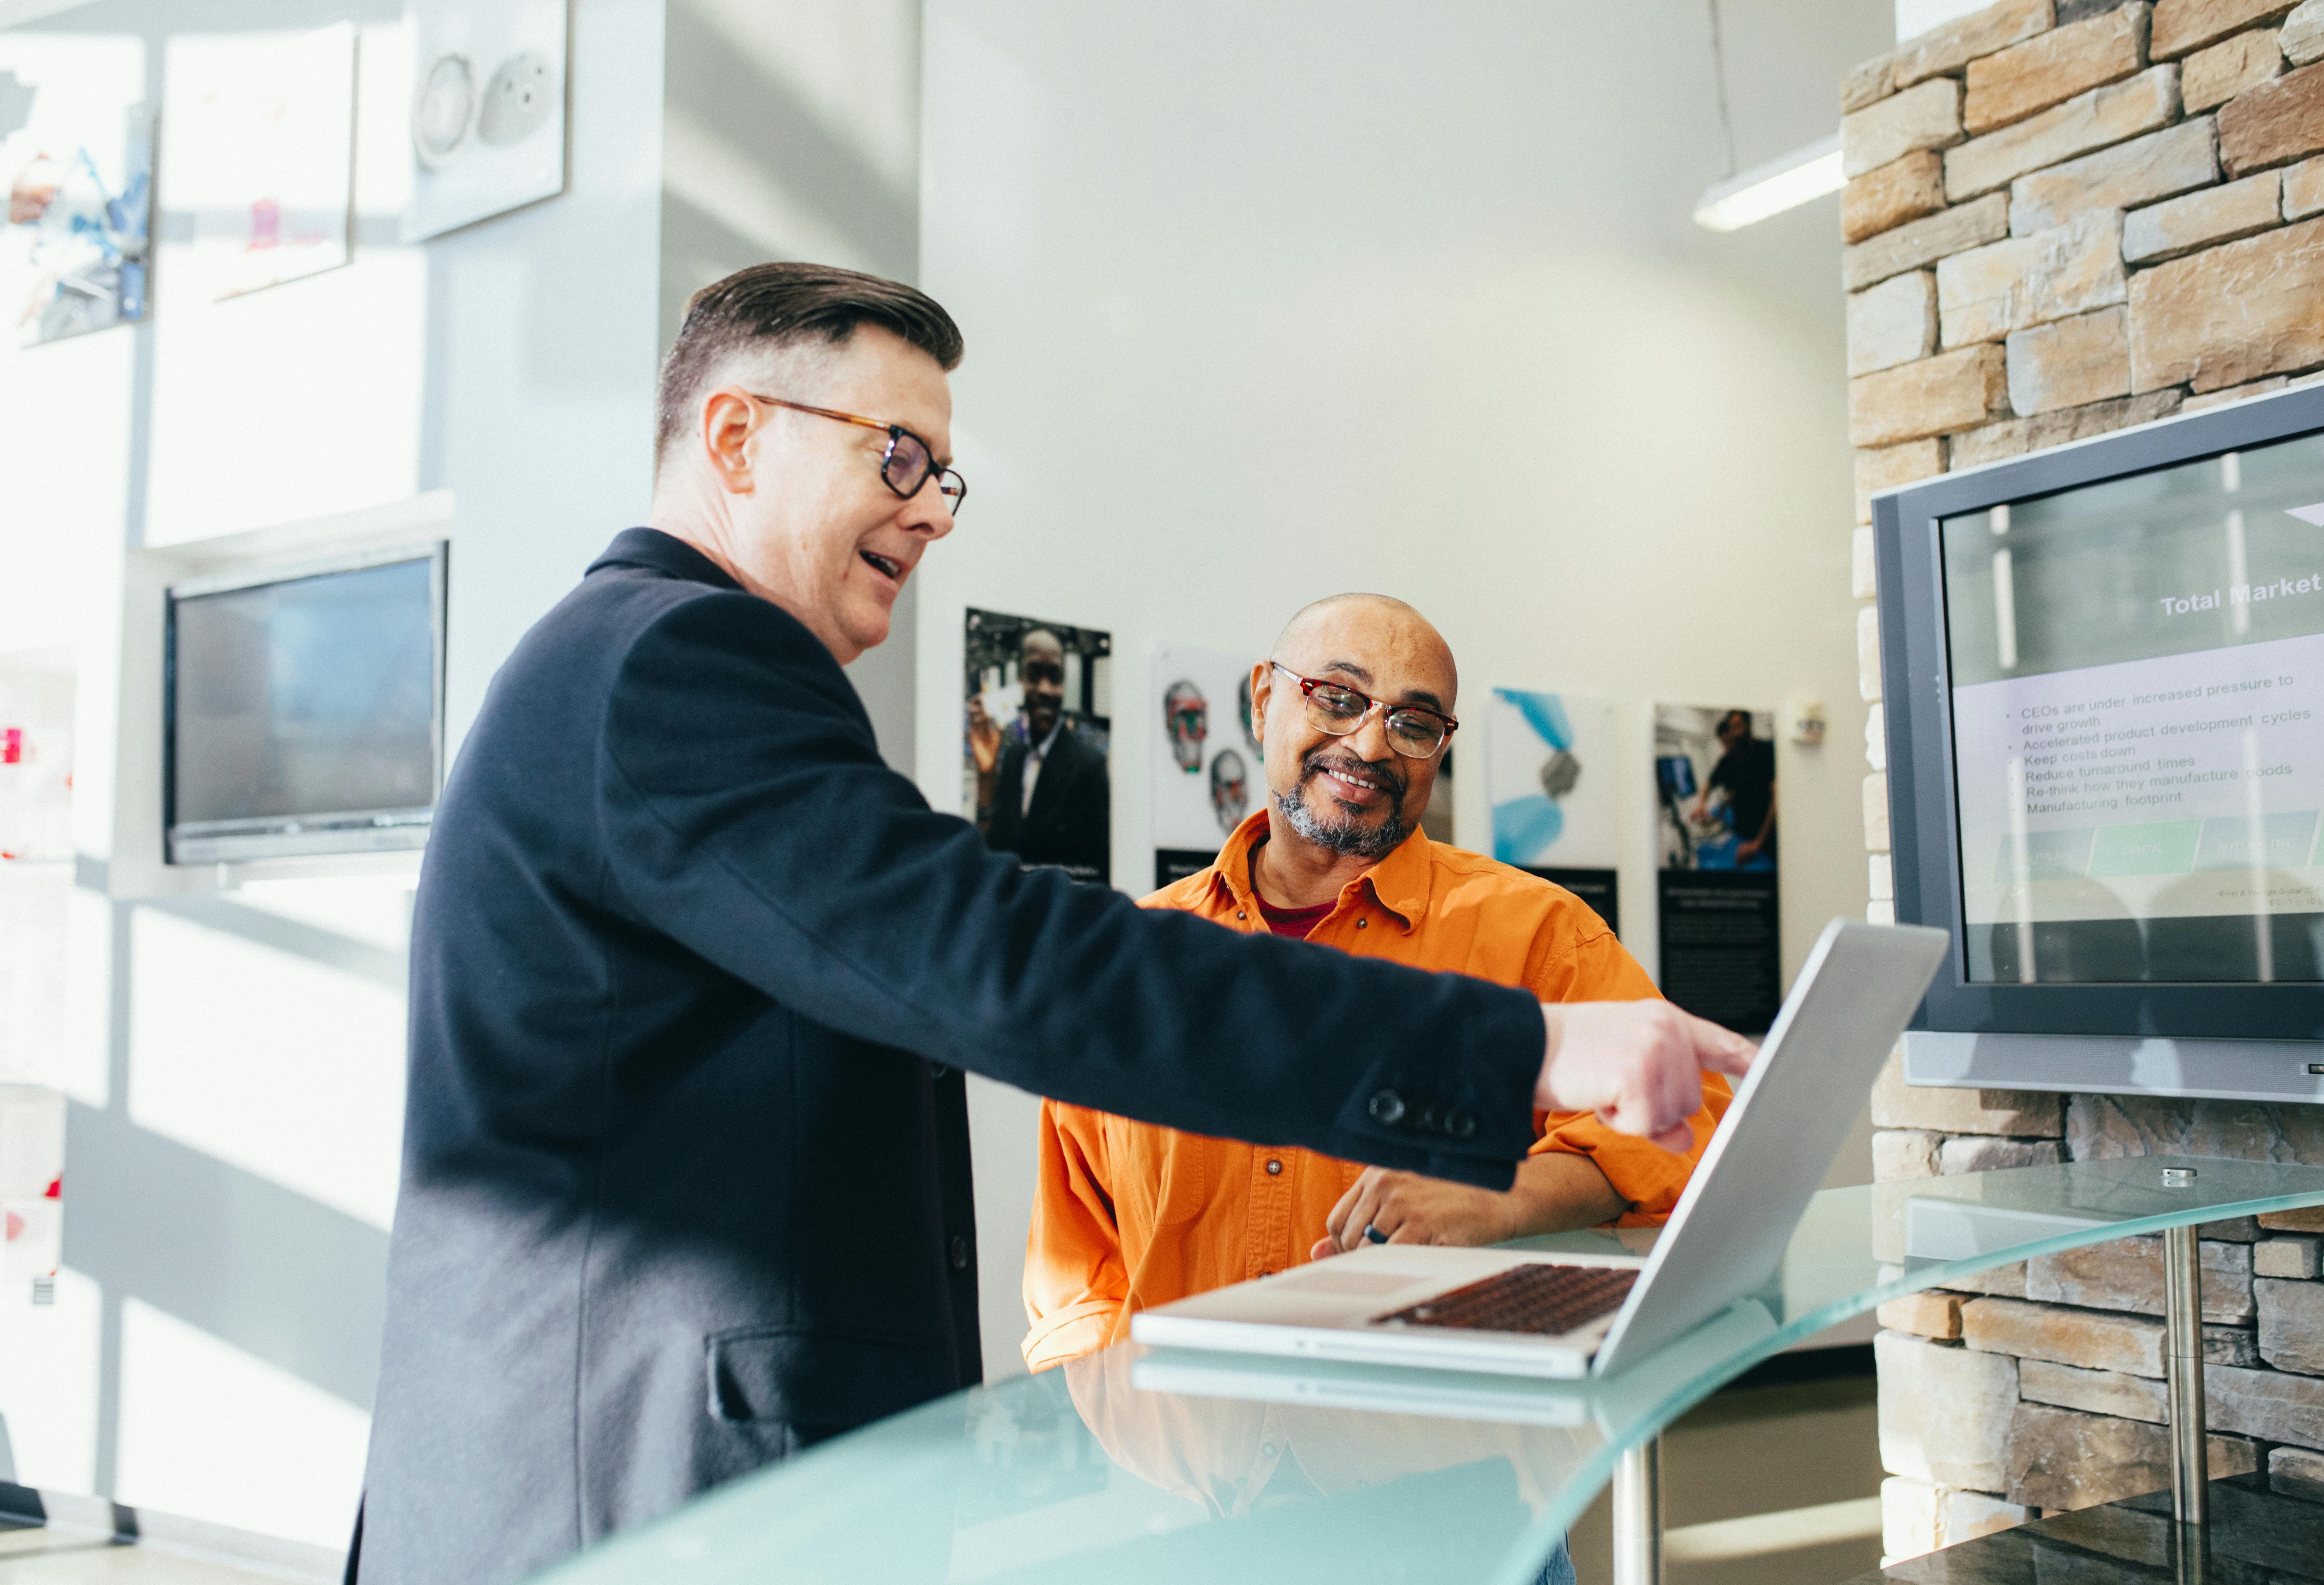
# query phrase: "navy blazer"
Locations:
[[685, 1160], [1069, 822]]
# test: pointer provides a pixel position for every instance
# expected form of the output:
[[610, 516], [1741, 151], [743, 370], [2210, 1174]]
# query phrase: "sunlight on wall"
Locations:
[[283, 1066], [748, 198], [210, 1433], [48, 1383], [851, 68], [303, 399], [84, 1070], [64, 407]]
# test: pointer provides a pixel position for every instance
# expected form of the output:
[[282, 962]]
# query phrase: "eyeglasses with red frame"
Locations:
[[1414, 731]]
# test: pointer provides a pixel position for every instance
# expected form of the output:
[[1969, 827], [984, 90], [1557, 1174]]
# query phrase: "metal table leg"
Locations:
[[2182, 1323], [1638, 1515], [2182, 1342]]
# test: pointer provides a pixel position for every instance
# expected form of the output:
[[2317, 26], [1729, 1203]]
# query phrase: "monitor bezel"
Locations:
[[295, 835], [1917, 701]]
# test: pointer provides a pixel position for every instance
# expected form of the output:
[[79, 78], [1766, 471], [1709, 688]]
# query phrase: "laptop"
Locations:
[[1520, 1313], [1453, 1394]]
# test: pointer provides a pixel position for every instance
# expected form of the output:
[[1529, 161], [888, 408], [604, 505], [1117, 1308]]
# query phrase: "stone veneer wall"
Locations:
[[2063, 217]]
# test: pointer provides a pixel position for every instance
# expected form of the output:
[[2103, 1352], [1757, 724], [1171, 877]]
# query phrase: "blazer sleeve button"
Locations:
[[1388, 1107], [959, 1252], [1461, 1125]]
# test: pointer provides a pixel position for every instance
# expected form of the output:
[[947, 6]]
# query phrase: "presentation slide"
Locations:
[[2137, 672], [2184, 786]]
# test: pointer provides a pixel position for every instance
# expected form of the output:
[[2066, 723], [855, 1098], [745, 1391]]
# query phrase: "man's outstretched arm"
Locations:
[[1637, 1065], [747, 815]]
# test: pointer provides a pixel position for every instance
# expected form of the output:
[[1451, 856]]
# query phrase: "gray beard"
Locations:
[[1342, 834]]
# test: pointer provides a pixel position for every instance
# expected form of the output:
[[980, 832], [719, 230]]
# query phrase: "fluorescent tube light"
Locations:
[[1780, 184]]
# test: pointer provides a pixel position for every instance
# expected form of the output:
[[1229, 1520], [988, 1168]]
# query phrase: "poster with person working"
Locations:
[[1549, 770], [1715, 863], [1206, 759], [1036, 730]]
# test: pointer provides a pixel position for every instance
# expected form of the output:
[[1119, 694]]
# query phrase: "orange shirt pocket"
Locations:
[[1161, 1177]]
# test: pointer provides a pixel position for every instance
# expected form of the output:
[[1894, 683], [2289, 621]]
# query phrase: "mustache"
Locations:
[[1383, 770]]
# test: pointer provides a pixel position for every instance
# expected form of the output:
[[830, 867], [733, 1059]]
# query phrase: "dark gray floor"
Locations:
[[1770, 1450]]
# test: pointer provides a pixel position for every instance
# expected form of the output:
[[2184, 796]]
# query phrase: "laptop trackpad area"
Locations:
[[1328, 1277]]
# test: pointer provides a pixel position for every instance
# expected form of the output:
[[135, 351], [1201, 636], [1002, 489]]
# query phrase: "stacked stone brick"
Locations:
[[2064, 218]]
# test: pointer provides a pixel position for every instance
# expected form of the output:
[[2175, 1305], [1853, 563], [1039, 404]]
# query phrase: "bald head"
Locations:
[[1372, 630]]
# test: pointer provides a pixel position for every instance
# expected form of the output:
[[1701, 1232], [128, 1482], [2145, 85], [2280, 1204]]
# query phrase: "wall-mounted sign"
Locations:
[[487, 109], [1550, 775], [1715, 814], [1036, 731], [1207, 770], [260, 130], [77, 158]]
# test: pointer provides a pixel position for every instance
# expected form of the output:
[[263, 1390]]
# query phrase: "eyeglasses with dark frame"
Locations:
[[905, 466], [1414, 731]]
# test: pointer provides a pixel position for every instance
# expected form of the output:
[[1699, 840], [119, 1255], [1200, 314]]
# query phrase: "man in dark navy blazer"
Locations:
[[694, 976]]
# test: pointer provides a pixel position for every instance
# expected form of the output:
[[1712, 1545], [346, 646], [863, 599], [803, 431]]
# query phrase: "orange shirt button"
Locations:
[[1275, 1169], [1361, 923]]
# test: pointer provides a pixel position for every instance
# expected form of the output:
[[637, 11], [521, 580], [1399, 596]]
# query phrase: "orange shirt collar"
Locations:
[[1398, 884]]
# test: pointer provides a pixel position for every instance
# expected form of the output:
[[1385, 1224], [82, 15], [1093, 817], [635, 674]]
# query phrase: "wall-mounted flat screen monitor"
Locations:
[[304, 709], [2105, 681]]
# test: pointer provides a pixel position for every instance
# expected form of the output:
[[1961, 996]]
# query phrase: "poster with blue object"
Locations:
[[1549, 773], [1552, 779], [77, 158]]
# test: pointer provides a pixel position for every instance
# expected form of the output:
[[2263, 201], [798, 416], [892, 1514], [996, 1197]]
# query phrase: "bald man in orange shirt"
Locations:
[[1355, 711]]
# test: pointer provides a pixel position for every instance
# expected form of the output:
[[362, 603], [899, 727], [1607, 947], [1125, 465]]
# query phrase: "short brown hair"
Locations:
[[774, 306]]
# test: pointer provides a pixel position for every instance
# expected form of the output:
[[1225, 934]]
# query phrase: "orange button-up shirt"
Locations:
[[1127, 1215]]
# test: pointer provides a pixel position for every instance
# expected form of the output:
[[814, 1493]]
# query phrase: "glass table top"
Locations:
[[1141, 1464]]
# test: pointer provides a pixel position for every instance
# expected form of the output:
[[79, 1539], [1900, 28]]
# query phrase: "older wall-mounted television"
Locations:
[[2104, 684], [303, 708]]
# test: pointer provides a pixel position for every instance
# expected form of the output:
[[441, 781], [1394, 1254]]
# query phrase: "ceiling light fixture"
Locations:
[[1781, 184]]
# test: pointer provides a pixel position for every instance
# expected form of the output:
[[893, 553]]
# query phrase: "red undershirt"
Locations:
[[1296, 922]]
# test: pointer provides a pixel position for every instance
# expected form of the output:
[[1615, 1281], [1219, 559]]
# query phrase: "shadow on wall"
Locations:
[[789, 184]]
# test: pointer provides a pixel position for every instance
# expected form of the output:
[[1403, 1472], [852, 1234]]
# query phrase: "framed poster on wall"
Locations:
[[77, 158], [1207, 764], [487, 109], [260, 131], [1035, 735], [1549, 774], [1715, 863]]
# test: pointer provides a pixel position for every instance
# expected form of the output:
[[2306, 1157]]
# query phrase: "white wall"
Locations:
[[1268, 302], [791, 130], [236, 1063], [1916, 17]]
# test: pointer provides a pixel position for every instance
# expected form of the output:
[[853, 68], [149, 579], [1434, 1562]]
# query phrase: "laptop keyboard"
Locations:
[[1542, 1300]]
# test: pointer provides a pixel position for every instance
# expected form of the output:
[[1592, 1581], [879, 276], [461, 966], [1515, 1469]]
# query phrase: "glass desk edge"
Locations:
[[681, 1542], [1575, 1496]]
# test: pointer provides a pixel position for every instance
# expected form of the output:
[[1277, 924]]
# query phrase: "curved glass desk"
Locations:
[[1141, 1464]]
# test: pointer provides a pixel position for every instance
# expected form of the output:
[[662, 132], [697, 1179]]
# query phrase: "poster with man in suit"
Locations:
[[1039, 725]]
